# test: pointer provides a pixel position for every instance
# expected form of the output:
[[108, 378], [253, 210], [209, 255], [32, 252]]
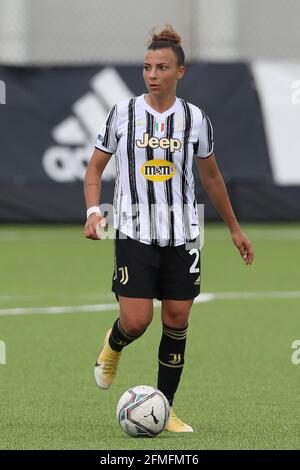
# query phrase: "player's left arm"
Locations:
[[214, 185]]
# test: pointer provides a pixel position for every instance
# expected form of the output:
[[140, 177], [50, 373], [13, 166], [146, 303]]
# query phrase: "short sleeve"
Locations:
[[107, 137], [204, 147]]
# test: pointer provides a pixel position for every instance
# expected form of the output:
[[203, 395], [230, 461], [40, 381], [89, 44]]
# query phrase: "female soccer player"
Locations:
[[155, 138]]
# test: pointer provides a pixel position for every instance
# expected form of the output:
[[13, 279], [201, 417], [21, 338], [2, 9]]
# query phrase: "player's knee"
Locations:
[[175, 319], [136, 328]]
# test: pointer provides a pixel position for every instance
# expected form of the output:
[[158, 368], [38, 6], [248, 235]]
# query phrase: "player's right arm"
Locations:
[[92, 190]]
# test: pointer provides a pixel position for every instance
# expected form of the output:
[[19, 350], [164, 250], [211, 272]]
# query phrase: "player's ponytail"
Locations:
[[167, 37]]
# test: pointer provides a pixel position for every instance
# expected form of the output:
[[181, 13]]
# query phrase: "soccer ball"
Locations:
[[143, 411]]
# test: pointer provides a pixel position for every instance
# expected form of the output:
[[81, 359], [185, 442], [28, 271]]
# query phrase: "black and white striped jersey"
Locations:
[[154, 199]]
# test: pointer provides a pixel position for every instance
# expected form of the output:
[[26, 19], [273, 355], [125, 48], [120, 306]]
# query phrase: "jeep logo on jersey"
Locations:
[[158, 170], [155, 143]]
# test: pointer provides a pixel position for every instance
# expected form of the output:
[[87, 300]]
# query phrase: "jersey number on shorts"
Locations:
[[194, 269]]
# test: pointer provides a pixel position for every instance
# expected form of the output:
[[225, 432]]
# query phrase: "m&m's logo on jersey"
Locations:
[[158, 170], [155, 143]]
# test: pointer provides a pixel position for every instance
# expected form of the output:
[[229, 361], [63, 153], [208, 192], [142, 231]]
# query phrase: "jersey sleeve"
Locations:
[[204, 147], [107, 136]]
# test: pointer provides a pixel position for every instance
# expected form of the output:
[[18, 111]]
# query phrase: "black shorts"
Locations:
[[151, 271]]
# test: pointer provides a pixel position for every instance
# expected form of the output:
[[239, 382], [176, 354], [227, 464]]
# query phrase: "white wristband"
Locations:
[[93, 210]]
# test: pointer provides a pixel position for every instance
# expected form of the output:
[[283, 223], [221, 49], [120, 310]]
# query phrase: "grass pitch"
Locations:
[[239, 388]]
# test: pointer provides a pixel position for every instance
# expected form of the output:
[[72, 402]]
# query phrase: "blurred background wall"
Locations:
[[92, 31]]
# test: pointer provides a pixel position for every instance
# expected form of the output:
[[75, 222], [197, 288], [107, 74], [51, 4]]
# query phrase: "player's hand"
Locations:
[[92, 228], [244, 246]]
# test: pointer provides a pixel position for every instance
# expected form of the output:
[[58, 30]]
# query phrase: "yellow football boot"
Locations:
[[106, 365], [175, 424]]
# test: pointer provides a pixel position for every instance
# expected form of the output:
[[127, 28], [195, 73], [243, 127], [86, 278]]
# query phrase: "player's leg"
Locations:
[[135, 316], [134, 284], [180, 284], [174, 315]]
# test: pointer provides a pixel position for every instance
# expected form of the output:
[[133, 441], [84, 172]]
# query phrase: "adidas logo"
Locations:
[[197, 282], [67, 161]]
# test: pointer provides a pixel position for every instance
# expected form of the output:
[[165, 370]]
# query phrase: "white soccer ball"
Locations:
[[143, 411]]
